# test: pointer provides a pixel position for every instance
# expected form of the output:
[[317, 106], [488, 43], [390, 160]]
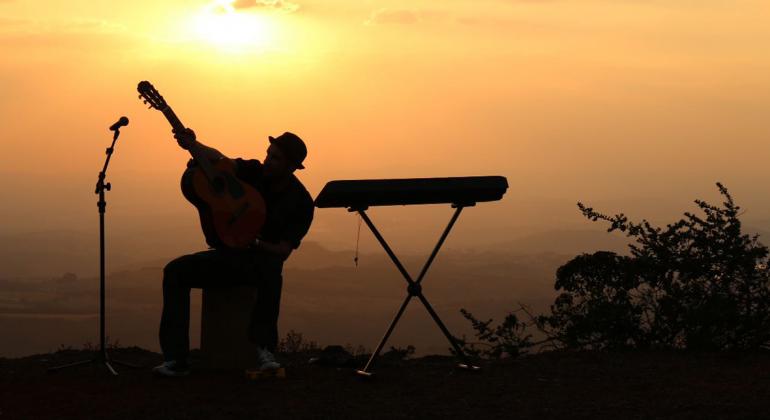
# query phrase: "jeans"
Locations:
[[214, 269]]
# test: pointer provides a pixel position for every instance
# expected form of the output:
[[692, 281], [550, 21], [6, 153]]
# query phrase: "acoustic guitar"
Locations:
[[231, 211]]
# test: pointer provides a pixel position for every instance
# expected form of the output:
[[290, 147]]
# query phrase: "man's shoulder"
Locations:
[[241, 162]]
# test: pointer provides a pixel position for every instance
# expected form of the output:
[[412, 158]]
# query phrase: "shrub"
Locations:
[[508, 339], [596, 308], [294, 343], [697, 284]]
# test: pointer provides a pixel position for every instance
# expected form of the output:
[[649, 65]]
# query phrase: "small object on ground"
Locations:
[[335, 356], [255, 374], [468, 367]]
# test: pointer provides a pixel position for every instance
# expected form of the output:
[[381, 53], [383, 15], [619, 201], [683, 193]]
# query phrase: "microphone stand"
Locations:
[[102, 356]]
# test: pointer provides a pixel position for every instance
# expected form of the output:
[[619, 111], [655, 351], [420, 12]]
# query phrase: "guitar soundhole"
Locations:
[[218, 184]]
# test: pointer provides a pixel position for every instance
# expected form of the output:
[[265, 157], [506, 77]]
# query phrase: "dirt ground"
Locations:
[[547, 385]]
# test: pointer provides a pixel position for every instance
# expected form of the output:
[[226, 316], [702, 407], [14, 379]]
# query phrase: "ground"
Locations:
[[546, 385]]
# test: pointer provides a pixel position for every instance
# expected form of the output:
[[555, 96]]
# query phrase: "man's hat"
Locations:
[[292, 147]]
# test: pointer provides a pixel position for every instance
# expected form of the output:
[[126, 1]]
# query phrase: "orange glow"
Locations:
[[614, 101], [223, 26]]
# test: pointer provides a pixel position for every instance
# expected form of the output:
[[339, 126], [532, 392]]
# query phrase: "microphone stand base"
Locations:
[[101, 358]]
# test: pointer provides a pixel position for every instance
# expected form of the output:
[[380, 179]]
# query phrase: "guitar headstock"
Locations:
[[150, 95]]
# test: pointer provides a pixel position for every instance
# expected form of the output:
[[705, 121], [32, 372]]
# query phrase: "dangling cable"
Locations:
[[358, 237]]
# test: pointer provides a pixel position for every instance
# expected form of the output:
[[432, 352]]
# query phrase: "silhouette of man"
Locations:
[[289, 215]]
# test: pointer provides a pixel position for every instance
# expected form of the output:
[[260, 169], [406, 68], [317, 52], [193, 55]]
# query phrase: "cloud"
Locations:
[[276, 5], [79, 34], [72, 26], [394, 16], [10, 22]]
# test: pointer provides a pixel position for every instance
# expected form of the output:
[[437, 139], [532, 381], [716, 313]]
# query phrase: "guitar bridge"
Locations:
[[238, 213]]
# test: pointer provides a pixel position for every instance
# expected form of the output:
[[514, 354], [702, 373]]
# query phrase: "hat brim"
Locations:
[[299, 165]]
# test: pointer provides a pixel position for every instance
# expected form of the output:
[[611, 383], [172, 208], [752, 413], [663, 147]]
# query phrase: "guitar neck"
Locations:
[[172, 118]]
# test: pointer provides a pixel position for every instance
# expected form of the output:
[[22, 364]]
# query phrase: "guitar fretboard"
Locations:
[[173, 119]]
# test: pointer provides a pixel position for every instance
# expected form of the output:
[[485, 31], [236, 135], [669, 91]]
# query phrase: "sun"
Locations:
[[220, 24]]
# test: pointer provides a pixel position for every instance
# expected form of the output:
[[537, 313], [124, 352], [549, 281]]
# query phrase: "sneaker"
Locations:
[[266, 359], [172, 368]]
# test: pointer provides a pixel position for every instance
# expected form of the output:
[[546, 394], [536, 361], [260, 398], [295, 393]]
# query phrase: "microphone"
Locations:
[[122, 122]]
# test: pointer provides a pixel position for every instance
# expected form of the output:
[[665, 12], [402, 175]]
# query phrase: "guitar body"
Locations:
[[231, 211]]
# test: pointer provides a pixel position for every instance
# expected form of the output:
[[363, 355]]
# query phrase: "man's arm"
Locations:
[[187, 140], [301, 219]]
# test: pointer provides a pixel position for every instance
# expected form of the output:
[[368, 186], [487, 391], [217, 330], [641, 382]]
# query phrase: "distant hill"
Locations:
[[566, 242], [51, 253], [325, 296]]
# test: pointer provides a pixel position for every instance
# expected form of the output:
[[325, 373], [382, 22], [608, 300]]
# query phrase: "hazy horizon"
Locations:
[[326, 297]]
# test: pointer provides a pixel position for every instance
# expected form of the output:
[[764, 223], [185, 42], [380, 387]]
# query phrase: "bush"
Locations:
[[399, 353], [295, 343], [596, 308], [697, 284], [509, 339]]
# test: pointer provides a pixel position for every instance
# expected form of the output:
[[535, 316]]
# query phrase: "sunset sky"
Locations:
[[628, 105]]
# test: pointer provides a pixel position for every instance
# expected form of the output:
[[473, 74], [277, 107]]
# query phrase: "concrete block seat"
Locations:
[[225, 316]]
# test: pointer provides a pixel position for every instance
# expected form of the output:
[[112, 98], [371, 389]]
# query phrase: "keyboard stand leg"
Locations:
[[365, 371], [414, 289]]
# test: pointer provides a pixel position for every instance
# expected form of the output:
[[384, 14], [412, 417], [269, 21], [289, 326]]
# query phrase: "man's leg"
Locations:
[[263, 329]]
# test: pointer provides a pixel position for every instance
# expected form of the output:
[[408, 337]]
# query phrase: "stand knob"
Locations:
[[108, 186], [414, 289]]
